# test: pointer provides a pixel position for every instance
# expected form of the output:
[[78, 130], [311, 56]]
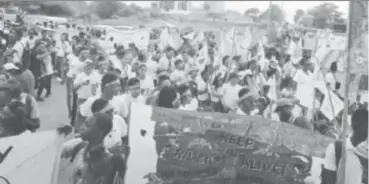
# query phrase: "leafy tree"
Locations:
[[206, 6], [299, 13], [154, 5], [127, 11], [54, 8], [326, 14], [277, 14], [306, 20], [252, 12], [106, 9]]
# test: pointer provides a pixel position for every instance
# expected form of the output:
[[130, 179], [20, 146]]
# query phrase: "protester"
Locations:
[[359, 125], [31, 114], [45, 80], [90, 158]]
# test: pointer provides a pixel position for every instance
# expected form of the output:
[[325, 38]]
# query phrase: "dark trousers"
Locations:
[[44, 83], [60, 67], [74, 109]]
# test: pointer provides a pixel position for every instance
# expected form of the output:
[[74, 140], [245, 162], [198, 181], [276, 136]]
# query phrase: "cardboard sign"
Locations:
[[177, 146], [31, 158]]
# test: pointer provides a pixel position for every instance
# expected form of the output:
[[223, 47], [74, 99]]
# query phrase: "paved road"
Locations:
[[54, 114], [54, 109]]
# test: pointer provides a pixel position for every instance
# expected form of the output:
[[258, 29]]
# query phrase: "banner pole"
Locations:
[[342, 167]]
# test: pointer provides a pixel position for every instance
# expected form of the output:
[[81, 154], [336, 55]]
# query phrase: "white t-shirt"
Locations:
[[147, 84], [305, 90], [62, 48], [19, 48], [192, 106], [230, 95], [178, 76], [75, 66], [353, 166], [152, 68], [85, 108], [126, 70], [85, 91], [165, 63], [125, 100], [48, 65], [31, 42], [202, 86], [118, 130]]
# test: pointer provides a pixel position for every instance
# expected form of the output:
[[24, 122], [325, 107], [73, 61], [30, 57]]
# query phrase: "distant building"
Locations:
[[215, 6], [188, 6], [173, 6]]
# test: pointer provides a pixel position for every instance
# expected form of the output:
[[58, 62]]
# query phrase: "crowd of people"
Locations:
[[101, 86]]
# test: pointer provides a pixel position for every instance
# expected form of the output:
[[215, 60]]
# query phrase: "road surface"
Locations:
[[53, 110], [54, 114]]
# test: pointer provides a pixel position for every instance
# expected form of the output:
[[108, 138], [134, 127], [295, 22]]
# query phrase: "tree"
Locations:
[[277, 15], [206, 6], [106, 9], [252, 12], [154, 5], [299, 13], [325, 15]]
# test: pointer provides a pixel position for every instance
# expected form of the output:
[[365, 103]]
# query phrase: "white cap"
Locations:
[[10, 66]]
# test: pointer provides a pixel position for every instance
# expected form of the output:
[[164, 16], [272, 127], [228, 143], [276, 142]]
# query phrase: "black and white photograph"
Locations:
[[183, 92]]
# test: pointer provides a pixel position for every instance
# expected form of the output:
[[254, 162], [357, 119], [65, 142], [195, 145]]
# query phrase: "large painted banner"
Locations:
[[174, 146], [30, 158]]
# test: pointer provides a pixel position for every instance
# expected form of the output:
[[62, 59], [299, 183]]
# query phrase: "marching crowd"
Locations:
[[101, 86]]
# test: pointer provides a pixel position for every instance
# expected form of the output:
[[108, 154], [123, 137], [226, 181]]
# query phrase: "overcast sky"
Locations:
[[289, 7]]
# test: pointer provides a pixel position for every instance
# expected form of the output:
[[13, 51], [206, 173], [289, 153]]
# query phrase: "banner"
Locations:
[[359, 37], [31, 158], [141, 37], [174, 146]]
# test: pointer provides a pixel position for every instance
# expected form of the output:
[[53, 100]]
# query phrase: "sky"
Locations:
[[289, 7]]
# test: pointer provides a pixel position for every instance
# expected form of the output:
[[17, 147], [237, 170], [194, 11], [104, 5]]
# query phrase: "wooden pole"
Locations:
[[342, 168]]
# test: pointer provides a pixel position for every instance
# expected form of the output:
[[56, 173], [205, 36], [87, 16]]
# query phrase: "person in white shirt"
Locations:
[[146, 82], [246, 103], [121, 61], [84, 81], [63, 47], [188, 60], [152, 68], [187, 101], [230, 92], [330, 77], [75, 66], [178, 76], [18, 48], [119, 129], [110, 88], [46, 71], [133, 95], [332, 163], [362, 154], [166, 61], [203, 95]]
